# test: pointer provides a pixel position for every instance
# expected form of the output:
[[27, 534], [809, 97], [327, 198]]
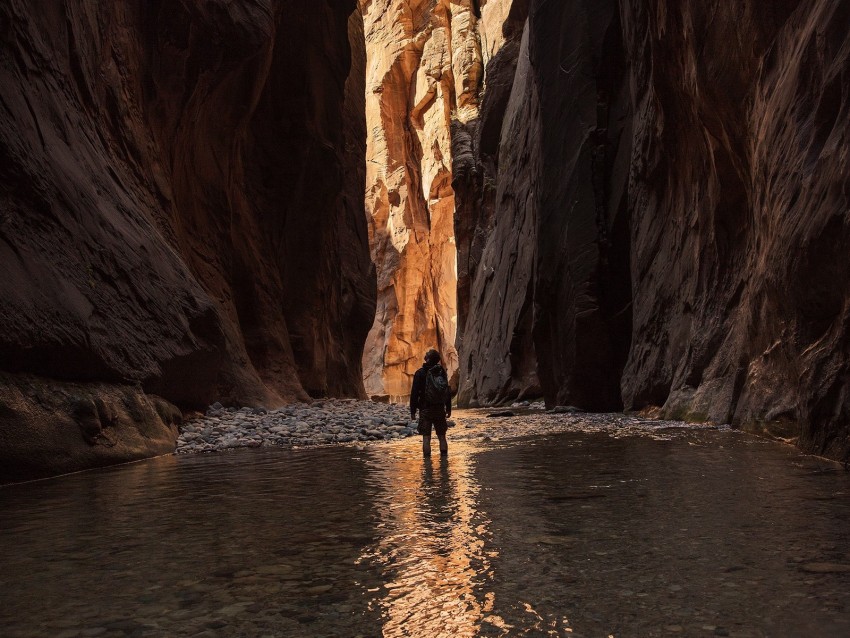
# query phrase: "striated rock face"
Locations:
[[423, 69], [542, 222], [495, 178], [682, 175], [740, 208], [181, 205], [583, 292]]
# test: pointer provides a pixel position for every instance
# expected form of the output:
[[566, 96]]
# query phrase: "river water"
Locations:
[[663, 532]]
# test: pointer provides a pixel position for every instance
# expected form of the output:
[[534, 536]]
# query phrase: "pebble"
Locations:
[[353, 422], [325, 422], [826, 568]]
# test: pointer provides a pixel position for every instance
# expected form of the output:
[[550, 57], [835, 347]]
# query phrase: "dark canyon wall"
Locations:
[[672, 210], [181, 216], [542, 217]]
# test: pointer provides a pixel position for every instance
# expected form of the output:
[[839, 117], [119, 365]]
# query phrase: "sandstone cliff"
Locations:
[[424, 67], [662, 202], [542, 225], [495, 178], [182, 213], [740, 208]]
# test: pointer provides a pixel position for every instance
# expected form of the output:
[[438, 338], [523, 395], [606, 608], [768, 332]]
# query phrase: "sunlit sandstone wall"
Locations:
[[423, 69], [683, 227], [181, 215]]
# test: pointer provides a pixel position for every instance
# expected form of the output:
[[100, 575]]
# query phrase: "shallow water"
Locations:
[[674, 532]]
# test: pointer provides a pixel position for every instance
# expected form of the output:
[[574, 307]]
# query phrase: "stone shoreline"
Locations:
[[323, 421], [330, 421]]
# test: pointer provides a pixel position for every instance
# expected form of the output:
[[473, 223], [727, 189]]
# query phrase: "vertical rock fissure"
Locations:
[[613, 216]]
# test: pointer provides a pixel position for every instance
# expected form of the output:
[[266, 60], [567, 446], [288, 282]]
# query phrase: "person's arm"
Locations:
[[414, 396], [449, 399]]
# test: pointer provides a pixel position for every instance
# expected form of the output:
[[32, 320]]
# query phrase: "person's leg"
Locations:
[[426, 445], [444, 444]]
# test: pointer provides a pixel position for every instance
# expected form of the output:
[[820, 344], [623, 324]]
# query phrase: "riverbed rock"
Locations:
[[321, 423], [565, 409]]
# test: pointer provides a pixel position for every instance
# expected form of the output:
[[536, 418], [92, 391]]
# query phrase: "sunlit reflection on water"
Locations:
[[431, 546], [693, 533]]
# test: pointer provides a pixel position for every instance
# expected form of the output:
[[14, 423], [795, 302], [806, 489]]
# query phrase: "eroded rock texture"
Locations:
[[542, 222], [423, 69], [182, 201], [495, 176], [668, 219], [740, 199]]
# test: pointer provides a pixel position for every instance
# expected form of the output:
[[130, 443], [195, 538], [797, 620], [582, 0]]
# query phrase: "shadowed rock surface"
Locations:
[[689, 171], [495, 181], [740, 200], [49, 427], [652, 211], [181, 203], [542, 224]]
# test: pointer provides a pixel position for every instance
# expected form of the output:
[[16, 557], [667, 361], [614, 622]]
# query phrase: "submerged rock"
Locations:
[[565, 409]]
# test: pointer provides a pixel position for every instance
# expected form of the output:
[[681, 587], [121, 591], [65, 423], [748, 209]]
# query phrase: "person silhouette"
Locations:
[[430, 395]]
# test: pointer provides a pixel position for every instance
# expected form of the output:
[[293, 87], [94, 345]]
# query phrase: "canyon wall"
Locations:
[[542, 217], [659, 193], [740, 200], [182, 218], [423, 70], [495, 179]]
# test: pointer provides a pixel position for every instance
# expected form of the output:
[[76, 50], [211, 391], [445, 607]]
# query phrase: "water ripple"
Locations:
[[585, 533]]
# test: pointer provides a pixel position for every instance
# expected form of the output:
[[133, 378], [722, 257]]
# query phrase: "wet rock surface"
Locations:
[[348, 421], [49, 428]]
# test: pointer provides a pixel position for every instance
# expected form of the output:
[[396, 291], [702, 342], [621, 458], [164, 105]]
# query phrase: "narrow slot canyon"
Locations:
[[231, 231], [205, 203]]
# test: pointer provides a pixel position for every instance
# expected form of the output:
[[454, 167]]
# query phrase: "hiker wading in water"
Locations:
[[430, 395]]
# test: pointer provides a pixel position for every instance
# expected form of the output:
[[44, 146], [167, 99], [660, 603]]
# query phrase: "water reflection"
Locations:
[[431, 548], [581, 534]]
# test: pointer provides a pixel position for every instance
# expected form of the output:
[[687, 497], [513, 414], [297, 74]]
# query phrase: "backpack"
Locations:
[[436, 392]]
